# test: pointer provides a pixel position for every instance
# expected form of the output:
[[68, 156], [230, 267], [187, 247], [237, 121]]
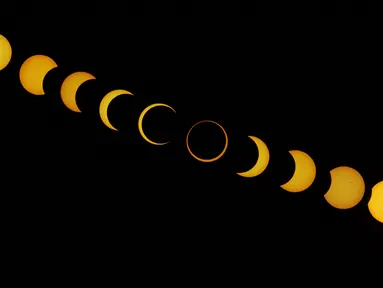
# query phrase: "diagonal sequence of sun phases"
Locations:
[[347, 186]]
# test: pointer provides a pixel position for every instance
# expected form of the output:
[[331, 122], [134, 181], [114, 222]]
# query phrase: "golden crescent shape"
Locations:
[[105, 104], [141, 118], [70, 86], [304, 174], [262, 162], [212, 159]]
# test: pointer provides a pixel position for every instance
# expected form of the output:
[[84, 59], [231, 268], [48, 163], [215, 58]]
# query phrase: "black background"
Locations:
[[298, 76]]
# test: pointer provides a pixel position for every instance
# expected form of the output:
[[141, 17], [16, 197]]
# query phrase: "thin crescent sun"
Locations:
[[70, 86], [141, 118], [211, 159], [262, 162], [105, 104]]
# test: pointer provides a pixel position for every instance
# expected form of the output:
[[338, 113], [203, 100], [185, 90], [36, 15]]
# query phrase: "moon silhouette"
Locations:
[[105, 104], [212, 159], [262, 162], [347, 188], [70, 86], [304, 174], [141, 118], [5, 52], [33, 72], [375, 205]]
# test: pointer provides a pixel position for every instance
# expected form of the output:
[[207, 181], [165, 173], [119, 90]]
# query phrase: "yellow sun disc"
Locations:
[[375, 205], [141, 118], [33, 72], [5, 52], [212, 159], [105, 104], [347, 188]]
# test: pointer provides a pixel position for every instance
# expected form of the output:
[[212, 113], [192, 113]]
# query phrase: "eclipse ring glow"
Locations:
[[211, 159]]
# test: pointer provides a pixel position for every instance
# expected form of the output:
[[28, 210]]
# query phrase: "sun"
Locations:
[[5, 52]]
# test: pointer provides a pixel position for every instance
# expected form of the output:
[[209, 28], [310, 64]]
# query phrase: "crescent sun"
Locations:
[[70, 86], [304, 174], [105, 104], [262, 162], [211, 159], [141, 118]]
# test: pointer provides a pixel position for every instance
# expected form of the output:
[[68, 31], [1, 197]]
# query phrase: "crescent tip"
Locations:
[[240, 174]]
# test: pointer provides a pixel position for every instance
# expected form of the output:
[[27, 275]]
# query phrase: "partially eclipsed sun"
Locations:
[[103, 110], [33, 72], [304, 175], [347, 188], [70, 86], [5, 52], [141, 119], [375, 205]]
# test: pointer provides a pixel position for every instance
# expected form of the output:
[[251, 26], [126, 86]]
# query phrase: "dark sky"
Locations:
[[297, 76]]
